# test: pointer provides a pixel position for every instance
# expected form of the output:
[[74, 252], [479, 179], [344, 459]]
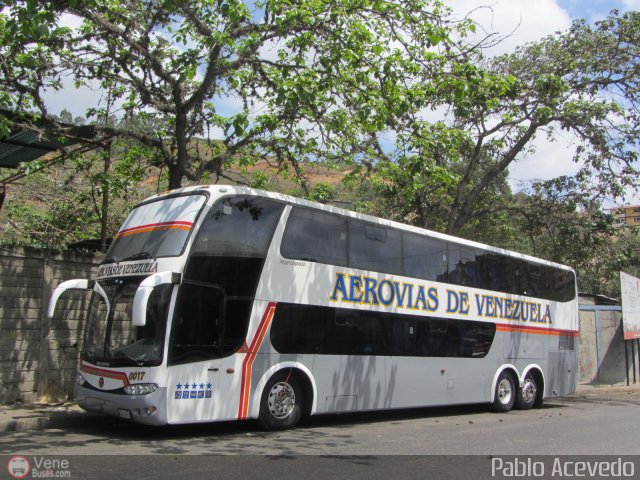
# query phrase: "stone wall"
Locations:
[[38, 355]]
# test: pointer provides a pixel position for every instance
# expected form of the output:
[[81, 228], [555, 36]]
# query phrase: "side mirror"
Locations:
[[140, 300], [75, 284]]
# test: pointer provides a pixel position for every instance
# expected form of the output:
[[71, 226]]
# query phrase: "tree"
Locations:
[[64, 204], [312, 79], [584, 81]]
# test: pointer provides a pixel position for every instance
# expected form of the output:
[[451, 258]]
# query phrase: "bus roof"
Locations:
[[240, 190]]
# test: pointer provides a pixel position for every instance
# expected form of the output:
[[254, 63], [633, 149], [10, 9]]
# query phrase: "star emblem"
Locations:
[[194, 386], [179, 386], [209, 385], [202, 385]]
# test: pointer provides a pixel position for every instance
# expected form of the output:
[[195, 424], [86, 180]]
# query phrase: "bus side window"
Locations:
[[315, 236], [424, 257], [374, 340], [196, 332], [422, 337], [375, 248], [534, 280], [402, 334], [344, 336], [476, 338], [443, 338], [299, 328]]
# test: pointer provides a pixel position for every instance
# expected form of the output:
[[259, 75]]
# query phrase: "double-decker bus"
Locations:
[[219, 303]]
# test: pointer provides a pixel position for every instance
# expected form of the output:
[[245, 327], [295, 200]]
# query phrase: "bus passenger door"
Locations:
[[194, 348]]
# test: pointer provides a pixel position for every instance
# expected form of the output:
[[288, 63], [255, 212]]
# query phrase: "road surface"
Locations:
[[601, 423]]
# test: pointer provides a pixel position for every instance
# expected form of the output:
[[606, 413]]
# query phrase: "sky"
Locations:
[[530, 20], [521, 21]]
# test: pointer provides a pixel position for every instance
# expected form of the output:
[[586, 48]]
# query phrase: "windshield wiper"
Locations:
[[90, 356], [118, 355], [110, 260], [139, 256]]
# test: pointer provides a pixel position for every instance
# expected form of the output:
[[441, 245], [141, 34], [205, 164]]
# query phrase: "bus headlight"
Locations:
[[80, 380], [140, 388]]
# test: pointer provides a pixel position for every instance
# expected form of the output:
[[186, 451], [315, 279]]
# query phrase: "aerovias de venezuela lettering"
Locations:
[[359, 289]]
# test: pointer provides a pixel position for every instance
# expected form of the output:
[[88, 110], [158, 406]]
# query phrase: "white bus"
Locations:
[[220, 303]]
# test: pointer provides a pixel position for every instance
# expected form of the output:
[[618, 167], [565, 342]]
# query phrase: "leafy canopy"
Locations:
[[292, 81]]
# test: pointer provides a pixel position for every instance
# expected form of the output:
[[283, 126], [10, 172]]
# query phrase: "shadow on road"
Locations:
[[247, 437]]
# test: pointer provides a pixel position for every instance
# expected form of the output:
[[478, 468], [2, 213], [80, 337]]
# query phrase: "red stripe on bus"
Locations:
[[155, 226], [247, 364], [536, 330], [105, 373]]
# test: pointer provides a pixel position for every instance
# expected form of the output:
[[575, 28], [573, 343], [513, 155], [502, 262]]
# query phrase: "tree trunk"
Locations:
[[105, 199], [179, 166]]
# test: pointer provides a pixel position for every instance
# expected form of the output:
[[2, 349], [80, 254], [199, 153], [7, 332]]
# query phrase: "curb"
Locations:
[[599, 388], [36, 417]]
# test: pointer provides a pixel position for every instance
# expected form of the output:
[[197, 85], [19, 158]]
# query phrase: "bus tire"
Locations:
[[281, 403], [505, 393], [527, 394]]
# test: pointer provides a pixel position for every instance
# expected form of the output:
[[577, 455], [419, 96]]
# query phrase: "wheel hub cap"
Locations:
[[529, 391], [504, 391], [281, 400]]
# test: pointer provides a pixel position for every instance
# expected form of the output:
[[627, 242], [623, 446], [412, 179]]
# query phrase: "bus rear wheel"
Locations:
[[505, 393], [281, 403], [527, 394]]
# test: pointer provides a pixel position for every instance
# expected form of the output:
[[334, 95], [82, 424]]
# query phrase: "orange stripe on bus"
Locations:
[[245, 388], [122, 376], [180, 224], [536, 330], [151, 229]]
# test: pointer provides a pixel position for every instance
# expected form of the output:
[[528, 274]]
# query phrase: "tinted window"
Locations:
[[464, 267], [475, 338], [315, 236], [342, 334], [336, 331], [425, 257], [232, 243], [221, 277], [322, 237], [196, 329], [562, 288], [375, 248], [238, 227], [301, 326]]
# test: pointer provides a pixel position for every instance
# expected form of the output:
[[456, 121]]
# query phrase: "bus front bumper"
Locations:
[[149, 409]]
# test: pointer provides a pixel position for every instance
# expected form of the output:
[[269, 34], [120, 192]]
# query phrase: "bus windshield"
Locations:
[[111, 339], [156, 229]]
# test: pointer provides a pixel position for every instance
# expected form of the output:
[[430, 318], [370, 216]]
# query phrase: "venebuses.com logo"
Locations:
[[39, 467], [18, 467]]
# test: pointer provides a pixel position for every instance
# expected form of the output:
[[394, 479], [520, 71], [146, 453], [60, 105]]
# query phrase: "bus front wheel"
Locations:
[[281, 404], [505, 394]]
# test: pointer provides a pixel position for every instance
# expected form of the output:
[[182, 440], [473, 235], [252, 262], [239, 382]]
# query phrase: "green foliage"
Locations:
[[322, 192], [63, 204], [311, 81], [342, 83], [584, 81]]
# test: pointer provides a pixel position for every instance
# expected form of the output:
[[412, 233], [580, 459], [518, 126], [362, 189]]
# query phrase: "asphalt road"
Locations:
[[355, 446]]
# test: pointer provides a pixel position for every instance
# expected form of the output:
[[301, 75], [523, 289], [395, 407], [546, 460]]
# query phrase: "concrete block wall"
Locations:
[[601, 347], [38, 356]]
